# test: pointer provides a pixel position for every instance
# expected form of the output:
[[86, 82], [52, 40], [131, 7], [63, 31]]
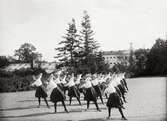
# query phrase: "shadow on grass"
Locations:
[[97, 119], [42, 106], [103, 119], [29, 115], [18, 108], [131, 118], [49, 113], [67, 99]]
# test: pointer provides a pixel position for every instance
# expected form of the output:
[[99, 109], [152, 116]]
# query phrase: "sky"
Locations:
[[115, 23]]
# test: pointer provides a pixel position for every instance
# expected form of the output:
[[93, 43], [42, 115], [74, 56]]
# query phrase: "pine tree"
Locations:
[[89, 45], [69, 45]]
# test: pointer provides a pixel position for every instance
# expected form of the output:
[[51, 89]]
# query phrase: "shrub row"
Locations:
[[18, 80], [15, 83]]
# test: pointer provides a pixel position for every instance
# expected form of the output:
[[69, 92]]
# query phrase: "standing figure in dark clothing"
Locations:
[[114, 100], [90, 94], [57, 94], [40, 89], [97, 88], [73, 90]]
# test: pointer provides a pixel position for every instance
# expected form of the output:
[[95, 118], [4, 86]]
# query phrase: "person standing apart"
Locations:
[[114, 100]]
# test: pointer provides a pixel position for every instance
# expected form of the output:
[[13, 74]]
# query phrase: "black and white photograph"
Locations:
[[83, 60]]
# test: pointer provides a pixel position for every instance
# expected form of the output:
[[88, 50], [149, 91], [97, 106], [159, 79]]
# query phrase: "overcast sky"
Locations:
[[116, 23]]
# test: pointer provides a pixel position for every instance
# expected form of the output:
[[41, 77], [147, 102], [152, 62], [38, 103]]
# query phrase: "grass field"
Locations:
[[146, 102]]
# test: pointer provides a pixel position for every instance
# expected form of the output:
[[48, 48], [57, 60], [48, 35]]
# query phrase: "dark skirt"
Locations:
[[40, 92], [98, 90], [90, 94], [114, 101], [73, 92], [57, 95]]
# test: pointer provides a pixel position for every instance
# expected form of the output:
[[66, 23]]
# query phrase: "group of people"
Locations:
[[92, 86]]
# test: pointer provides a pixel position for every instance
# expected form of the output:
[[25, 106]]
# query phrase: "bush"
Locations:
[[4, 73], [26, 72], [18, 80], [15, 83]]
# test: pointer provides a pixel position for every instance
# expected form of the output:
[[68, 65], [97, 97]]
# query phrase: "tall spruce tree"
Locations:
[[89, 45], [69, 45]]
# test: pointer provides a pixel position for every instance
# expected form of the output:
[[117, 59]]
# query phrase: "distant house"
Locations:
[[116, 57]]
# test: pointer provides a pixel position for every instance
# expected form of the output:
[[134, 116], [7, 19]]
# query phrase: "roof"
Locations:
[[120, 52]]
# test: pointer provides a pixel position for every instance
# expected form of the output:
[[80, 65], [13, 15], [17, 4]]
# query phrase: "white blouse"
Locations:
[[38, 82], [51, 85], [57, 81], [110, 89], [88, 84], [95, 82], [71, 82], [78, 79]]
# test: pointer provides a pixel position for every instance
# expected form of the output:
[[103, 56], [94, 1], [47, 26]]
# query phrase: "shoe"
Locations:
[[48, 106], [38, 106], [99, 110], [66, 111], [124, 118], [108, 117]]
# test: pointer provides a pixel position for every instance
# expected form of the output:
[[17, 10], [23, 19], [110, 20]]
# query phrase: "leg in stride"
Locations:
[[120, 110], [39, 101], [55, 105], [79, 100], [46, 103], [101, 99], [65, 107], [87, 105], [109, 112], [70, 99], [97, 107]]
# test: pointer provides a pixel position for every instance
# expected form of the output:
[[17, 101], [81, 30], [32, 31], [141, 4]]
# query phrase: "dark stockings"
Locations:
[[120, 110], [55, 105], [95, 102], [101, 99], [46, 102], [70, 99], [109, 111], [39, 101], [79, 100]]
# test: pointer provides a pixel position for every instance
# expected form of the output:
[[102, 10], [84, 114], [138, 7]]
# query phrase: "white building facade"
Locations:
[[116, 57]]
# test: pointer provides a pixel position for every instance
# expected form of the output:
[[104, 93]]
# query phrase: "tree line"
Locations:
[[78, 52], [147, 62]]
